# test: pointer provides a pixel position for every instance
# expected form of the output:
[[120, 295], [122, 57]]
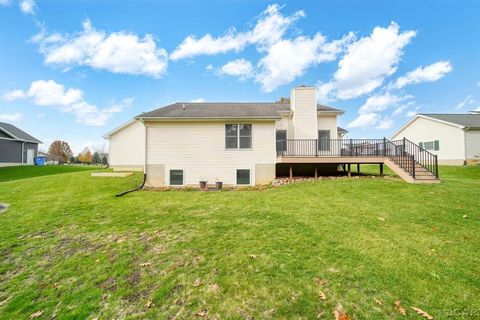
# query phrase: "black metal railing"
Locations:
[[426, 159], [403, 152], [330, 147]]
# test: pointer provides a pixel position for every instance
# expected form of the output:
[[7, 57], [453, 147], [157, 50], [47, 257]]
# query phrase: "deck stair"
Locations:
[[407, 159]]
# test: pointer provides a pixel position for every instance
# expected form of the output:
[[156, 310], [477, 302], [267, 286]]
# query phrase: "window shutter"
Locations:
[[437, 145], [421, 145]]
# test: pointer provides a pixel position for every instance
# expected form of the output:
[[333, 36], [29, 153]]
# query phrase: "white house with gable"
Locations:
[[242, 143], [455, 138]]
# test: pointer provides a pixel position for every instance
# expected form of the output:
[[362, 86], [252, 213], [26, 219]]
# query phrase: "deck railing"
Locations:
[[331, 147], [403, 152]]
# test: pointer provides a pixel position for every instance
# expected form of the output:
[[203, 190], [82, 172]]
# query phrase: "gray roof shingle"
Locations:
[[471, 120], [17, 133], [224, 110]]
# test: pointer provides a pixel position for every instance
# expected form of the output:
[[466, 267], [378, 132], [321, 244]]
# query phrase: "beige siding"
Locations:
[[127, 147], [472, 144], [328, 123], [304, 102], [198, 148], [285, 123], [451, 139]]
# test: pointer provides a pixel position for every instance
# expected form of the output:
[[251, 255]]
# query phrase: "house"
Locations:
[[455, 138], [16, 146], [247, 143]]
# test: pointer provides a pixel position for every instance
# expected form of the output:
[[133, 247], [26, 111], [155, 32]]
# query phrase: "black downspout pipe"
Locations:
[[136, 189], [144, 168]]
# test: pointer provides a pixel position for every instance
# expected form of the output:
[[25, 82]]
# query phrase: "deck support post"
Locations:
[[349, 170], [358, 168], [316, 171], [291, 171], [381, 169]]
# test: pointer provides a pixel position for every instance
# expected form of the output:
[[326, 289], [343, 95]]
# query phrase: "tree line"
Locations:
[[61, 152]]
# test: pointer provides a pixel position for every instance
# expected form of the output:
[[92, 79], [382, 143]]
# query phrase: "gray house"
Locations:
[[16, 146]]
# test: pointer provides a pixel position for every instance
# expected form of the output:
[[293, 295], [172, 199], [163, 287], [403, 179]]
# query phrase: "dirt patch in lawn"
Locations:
[[3, 207]]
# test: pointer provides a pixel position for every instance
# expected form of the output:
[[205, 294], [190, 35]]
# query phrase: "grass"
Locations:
[[24, 172], [71, 250]]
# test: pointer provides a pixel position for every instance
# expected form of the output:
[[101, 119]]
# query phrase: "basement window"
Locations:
[[243, 176], [176, 177]]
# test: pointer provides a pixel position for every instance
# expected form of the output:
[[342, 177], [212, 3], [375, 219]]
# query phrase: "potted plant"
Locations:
[[218, 184], [203, 184]]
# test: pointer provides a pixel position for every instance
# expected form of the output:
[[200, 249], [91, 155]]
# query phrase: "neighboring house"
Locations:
[[455, 138], [242, 143], [16, 146]]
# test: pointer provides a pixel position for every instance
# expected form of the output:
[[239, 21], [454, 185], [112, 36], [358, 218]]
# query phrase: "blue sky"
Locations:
[[73, 70]]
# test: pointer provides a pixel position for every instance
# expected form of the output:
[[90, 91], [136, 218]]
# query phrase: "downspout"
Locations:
[[23, 150], [465, 145], [144, 168]]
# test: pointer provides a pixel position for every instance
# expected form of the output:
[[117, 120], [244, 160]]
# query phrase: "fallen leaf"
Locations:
[[400, 309], [36, 315], [465, 216], [322, 295], [197, 282], [320, 282], [381, 219], [378, 301], [149, 304], [145, 264], [202, 313], [340, 315], [252, 256], [422, 313]]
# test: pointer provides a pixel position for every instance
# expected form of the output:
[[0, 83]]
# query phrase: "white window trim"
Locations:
[[249, 177], [238, 138], [170, 177]]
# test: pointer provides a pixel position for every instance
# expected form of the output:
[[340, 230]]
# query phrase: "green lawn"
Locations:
[[71, 250], [24, 172]]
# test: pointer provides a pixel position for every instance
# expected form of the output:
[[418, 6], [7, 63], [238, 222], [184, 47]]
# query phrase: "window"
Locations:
[[323, 140], [243, 176], [238, 136], [176, 177], [281, 135], [430, 145]]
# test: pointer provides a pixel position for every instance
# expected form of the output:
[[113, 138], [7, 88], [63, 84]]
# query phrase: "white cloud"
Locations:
[[198, 100], [238, 68], [13, 95], [5, 2], [378, 103], [27, 6], [385, 123], [364, 120], [370, 111], [429, 73], [402, 108], [268, 30], [12, 117], [209, 67], [289, 59], [367, 62], [117, 52], [49, 93], [467, 102]]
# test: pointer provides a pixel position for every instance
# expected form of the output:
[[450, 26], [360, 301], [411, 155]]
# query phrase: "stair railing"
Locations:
[[407, 149]]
